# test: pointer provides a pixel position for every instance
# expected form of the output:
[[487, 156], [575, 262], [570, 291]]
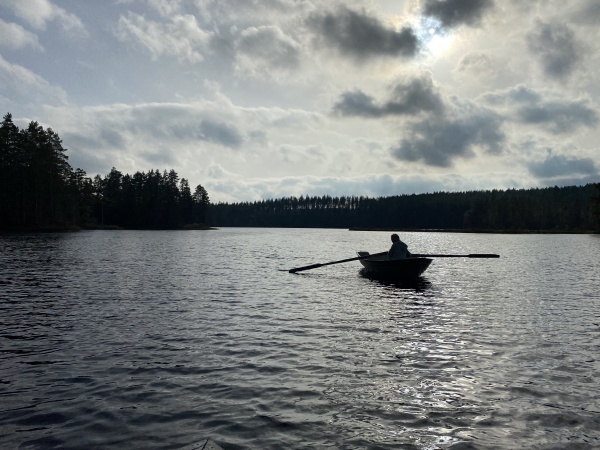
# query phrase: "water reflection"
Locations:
[[419, 284]]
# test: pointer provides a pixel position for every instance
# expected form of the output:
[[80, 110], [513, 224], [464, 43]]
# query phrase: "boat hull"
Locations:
[[380, 266]]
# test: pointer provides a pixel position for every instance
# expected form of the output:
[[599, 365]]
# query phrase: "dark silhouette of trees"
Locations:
[[40, 190], [201, 204], [38, 187], [566, 209], [148, 201], [596, 207]]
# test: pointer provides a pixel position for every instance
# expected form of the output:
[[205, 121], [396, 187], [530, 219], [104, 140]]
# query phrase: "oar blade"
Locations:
[[300, 269]]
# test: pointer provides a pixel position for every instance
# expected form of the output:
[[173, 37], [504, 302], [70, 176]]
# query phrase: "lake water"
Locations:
[[160, 339]]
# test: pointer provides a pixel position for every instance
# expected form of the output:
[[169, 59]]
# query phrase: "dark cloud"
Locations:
[[411, 98], [159, 158], [588, 13], [104, 139], [559, 117], [556, 48], [220, 133], [439, 141], [357, 103], [519, 94], [361, 36], [181, 124], [529, 107], [555, 166], [453, 13]]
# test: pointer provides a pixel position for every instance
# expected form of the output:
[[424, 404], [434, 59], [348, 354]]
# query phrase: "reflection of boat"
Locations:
[[397, 285], [381, 266]]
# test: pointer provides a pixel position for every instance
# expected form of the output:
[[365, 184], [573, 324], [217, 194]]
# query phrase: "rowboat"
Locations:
[[380, 266]]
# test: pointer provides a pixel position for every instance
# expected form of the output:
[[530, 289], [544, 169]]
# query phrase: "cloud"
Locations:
[[439, 140], [181, 37], [165, 7], [25, 87], [558, 166], [265, 49], [526, 106], [220, 133], [229, 187], [360, 36], [556, 48], [587, 13], [14, 36], [38, 13], [452, 13], [413, 97], [559, 117], [250, 12], [226, 186], [480, 67], [168, 123]]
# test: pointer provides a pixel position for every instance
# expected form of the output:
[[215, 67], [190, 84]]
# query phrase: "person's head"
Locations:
[[395, 237]]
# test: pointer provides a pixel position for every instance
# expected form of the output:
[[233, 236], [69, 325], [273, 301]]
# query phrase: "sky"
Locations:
[[276, 98]]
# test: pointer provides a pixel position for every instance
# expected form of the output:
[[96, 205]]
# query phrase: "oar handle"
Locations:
[[471, 255]]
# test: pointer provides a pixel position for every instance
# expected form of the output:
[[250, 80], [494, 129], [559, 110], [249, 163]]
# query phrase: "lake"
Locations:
[[160, 339]]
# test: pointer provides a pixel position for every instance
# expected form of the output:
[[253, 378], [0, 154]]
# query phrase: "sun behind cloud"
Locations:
[[435, 40]]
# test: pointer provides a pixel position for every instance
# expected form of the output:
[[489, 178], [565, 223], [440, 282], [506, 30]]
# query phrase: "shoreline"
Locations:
[[472, 230]]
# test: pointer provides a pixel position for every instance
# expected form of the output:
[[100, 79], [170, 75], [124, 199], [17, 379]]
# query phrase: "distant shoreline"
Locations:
[[209, 228], [475, 230], [97, 228]]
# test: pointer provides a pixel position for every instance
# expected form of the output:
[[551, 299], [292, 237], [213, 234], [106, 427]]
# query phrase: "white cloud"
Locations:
[[23, 86], [266, 51], [38, 13], [166, 7], [181, 37], [230, 187], [14, 36]]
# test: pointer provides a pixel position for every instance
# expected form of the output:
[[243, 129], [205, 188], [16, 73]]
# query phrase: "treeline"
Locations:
[[149, 201], [571, 209], [40, 190]]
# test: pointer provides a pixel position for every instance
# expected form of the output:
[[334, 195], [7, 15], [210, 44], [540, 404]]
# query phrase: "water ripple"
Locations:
[[149, 340]]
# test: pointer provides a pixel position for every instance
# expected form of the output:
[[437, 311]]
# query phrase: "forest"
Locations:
[[556, 209], [39, 190]]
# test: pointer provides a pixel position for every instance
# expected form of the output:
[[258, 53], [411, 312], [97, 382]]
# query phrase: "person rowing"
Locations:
[[398, 250]]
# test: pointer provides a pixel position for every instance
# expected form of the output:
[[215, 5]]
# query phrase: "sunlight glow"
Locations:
[[434, 38]]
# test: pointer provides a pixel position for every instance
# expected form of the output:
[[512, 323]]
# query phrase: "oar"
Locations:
[[471, 255], [314, 266]]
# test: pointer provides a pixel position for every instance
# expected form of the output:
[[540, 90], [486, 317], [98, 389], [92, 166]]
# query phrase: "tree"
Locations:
[[11, 173], [202, 203], [186, 202], [596, 208]]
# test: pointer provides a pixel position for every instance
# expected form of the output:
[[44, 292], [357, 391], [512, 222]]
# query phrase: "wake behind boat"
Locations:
[[381, 266]]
